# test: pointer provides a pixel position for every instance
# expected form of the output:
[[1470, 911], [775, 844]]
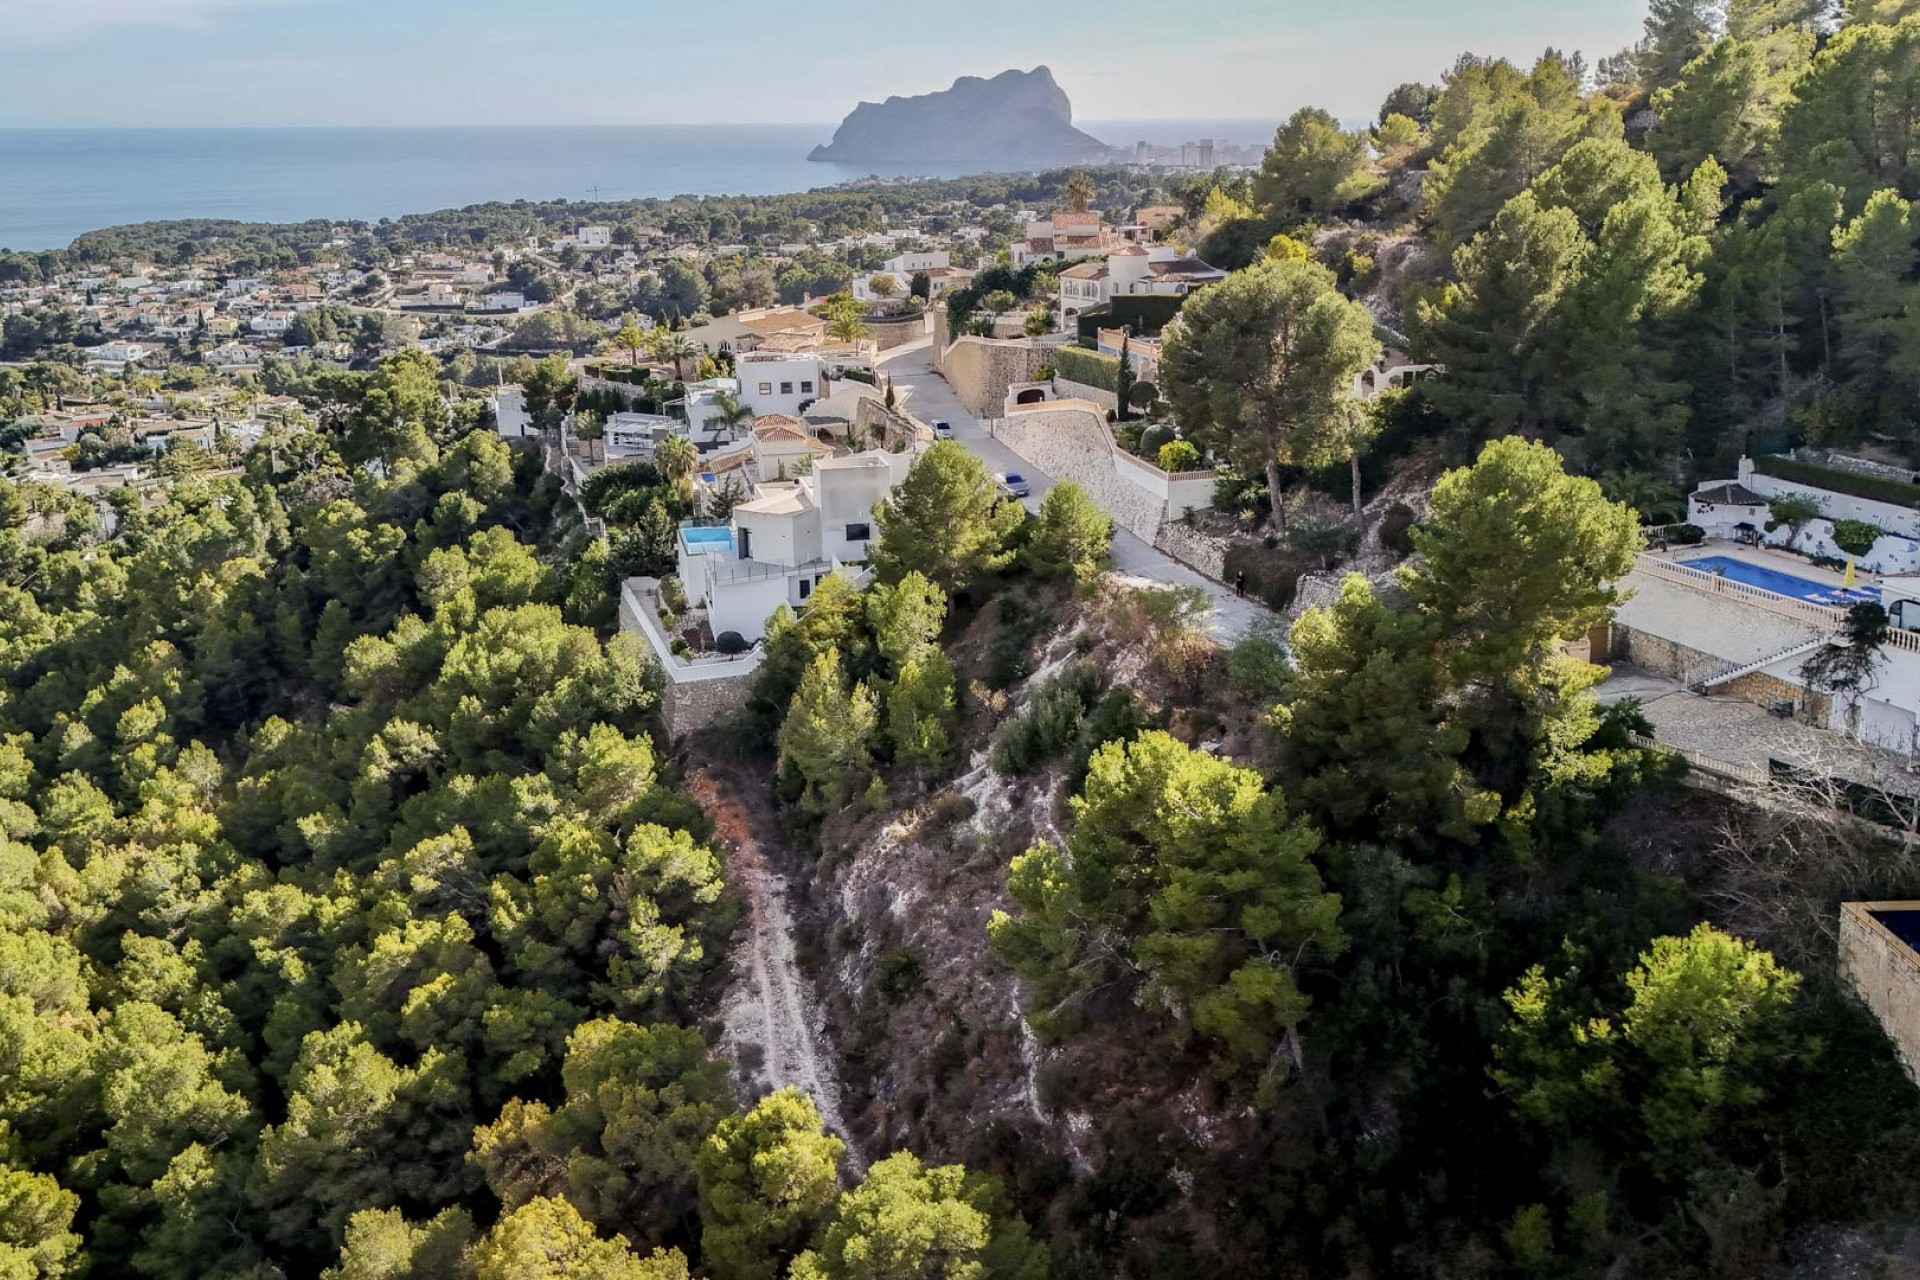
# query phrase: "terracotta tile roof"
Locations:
[[1085, 271], [780, 426]]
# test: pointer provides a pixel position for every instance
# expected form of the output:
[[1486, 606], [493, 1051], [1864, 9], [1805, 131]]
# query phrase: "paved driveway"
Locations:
[[911, 368]]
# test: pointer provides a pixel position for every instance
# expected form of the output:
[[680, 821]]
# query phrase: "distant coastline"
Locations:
[[61, 183]]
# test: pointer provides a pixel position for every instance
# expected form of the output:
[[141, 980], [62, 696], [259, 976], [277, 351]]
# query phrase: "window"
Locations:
[[786, 388], [806, 388], [859, 533], [766, 388], [806, 587], [746, 544]]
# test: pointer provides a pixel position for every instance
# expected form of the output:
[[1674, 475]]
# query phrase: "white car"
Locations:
[[1012, 484], [942, 429]]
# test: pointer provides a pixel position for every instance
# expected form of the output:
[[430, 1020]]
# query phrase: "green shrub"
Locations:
[[1686, 535], [1258, 667], [1179, 455], [1050, 724], [731, 643], [1855, 537], [1091, 368]]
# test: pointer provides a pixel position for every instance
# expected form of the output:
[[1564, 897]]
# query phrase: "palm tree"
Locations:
[[589, 426], [1079, 191], [632, 339], [676, 458], [730, 414], [847, 326], [678, 348]]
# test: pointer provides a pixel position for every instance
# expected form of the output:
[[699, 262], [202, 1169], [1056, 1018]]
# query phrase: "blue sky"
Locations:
[[353, 62]]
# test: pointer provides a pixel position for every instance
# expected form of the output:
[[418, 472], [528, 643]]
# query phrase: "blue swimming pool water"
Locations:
[[1781, 584], [718, 536]]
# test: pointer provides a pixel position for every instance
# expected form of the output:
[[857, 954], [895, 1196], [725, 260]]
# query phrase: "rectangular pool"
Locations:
[[1781, 584], [715, 538]]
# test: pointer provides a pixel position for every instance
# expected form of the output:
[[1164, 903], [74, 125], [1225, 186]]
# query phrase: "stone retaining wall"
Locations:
[[980, 370], [893, 430], [688, 708], [1663, 657], [1074, 444], [1102, 396], [898, 331], [1190, 546], [1884, 972]]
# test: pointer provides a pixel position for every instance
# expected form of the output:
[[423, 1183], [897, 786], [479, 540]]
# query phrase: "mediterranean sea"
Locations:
[[56, 184]]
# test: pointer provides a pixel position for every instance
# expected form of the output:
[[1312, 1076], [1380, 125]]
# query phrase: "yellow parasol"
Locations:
[[1847, 580]]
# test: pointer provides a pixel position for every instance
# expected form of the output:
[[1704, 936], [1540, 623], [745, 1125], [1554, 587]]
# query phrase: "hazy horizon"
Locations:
[[583, 63]]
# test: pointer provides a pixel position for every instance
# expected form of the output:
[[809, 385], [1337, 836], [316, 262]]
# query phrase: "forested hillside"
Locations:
[[1704, 238]]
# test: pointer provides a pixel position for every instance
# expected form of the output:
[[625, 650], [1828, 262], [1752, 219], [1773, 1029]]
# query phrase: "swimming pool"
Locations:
[[1781, 584], [712, 538]]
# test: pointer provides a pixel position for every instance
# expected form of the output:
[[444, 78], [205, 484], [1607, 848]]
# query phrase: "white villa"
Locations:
[[779, 546], [1737, 510], [1738, 616], [1130, 270]]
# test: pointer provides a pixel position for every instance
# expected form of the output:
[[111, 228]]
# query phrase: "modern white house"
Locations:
[[778, 547], [1131, 270], [510, 416], [776, 382], [587, 239], [638, 434], [502, 301]]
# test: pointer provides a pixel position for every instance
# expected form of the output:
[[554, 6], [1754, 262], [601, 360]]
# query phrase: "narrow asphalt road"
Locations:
[[911, 368]]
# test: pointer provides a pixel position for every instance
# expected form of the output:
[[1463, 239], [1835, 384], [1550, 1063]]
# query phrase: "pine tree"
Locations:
[[826, 740]]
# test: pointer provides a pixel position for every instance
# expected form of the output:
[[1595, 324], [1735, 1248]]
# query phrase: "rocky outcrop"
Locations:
[[1019, 118]]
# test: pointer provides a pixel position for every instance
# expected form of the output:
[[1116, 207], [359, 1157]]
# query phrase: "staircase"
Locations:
[[1791, 651]]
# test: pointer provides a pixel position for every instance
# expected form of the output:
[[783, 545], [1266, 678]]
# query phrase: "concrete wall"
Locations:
[[1884, 972]]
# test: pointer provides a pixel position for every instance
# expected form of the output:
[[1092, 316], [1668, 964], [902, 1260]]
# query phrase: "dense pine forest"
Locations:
[[357, 919]]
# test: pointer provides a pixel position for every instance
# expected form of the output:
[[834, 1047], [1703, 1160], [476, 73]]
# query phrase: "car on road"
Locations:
[[1012, 484], [942, 429]]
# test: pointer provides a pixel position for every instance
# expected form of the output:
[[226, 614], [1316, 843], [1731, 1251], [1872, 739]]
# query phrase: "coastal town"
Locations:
[[1344, 707]]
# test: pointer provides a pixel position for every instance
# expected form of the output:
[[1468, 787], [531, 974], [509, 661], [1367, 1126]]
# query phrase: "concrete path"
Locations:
[[925, 395]]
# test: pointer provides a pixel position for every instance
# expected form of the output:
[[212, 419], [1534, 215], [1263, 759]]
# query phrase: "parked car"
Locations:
[[942, 429], [1012, 484]]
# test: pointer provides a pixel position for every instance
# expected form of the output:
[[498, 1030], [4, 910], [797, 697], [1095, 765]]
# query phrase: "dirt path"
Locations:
[[771, 1028]]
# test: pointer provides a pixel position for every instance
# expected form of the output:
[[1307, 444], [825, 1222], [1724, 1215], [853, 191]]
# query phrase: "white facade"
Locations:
[[1738, 510], [498, 302], [1129, 271], [630, 434], [772, 383], [510, 416], [903, 266], [791, 536]]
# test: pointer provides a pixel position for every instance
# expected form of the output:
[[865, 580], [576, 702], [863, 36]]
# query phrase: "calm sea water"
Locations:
[[57, 183]]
